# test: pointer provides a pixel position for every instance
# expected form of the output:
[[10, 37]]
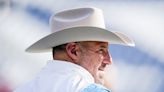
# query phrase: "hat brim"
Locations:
[[77, 34]]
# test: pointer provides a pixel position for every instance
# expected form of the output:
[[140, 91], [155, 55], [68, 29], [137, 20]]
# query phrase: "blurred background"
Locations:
[[134, 69]]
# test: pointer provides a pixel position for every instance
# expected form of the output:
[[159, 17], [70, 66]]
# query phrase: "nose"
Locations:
[[107, 59]]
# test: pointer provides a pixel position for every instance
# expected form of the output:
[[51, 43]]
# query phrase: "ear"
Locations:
[[72, 51]]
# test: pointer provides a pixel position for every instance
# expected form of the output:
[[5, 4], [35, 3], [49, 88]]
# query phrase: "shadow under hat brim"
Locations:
[[77, 34]]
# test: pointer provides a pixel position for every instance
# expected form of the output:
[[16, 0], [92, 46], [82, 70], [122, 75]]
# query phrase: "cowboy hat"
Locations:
[[80, 24]]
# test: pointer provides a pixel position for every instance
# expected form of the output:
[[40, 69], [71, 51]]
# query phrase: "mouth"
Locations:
[[101, 69]]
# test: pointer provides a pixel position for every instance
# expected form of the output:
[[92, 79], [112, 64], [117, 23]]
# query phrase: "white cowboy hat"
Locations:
[[80, 24]]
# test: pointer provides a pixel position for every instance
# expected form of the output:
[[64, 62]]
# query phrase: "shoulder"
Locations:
[[95, 88]]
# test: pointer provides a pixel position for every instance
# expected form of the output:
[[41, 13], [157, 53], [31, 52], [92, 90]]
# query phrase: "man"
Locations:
[[79, 42]]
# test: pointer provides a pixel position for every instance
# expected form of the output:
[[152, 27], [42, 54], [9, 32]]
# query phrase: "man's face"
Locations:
[[94, 57]]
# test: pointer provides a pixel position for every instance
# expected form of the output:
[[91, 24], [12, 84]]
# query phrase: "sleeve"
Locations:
[[95, 88]]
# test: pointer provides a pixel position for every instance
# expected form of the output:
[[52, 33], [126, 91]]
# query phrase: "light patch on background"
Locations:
[[136, 78], [17, 33], [142, 22]]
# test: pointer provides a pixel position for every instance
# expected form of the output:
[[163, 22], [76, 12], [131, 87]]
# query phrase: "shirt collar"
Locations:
[[54, 65]]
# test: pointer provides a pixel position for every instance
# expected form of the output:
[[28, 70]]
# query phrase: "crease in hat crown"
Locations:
[[78, 17], [78, 24]]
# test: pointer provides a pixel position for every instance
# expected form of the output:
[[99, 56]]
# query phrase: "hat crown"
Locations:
[[88, 17]]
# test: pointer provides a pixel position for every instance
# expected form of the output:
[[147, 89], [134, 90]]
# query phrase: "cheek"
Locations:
[[96, 62], [91, 62]]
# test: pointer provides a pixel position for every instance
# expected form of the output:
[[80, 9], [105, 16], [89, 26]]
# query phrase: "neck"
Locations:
[[62, 56]]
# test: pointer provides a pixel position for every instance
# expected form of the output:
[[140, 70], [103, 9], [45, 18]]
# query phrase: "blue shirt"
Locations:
[[95, 88]]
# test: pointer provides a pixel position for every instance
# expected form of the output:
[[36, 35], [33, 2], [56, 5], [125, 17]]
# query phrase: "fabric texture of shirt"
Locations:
[[62, 76]]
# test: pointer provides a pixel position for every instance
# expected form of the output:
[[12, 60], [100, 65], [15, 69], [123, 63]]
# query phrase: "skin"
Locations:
[[93, 56]]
